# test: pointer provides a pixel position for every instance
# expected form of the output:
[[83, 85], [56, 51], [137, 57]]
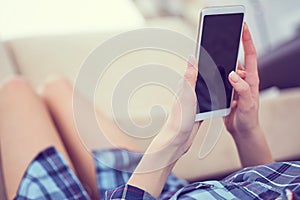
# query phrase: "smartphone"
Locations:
[[219, 36]]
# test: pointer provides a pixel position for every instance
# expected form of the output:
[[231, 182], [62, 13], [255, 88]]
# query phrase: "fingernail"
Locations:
[[234, 77], [191, 61]]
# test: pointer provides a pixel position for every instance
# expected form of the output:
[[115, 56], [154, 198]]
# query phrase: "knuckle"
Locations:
[[190, 76], [243, 87]]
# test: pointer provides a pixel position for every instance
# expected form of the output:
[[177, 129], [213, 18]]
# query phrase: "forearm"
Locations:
[[253, 148], [156, 165], [151, 182], [172, 141]]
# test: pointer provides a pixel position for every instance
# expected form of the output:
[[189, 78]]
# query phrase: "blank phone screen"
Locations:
[[217, 58]]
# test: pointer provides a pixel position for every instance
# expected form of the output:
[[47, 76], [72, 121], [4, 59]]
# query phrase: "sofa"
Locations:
[[39, 58]]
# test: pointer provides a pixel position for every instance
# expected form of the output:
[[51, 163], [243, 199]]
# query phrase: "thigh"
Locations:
[[58, 95], [26, 128]]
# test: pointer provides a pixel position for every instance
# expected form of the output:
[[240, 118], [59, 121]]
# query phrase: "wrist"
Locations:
[[160, 154], [253, 148], [168, 138], [151, 173], [151, 182], [246, 134]]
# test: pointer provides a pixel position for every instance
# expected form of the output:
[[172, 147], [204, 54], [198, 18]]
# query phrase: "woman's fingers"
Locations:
[[250, 61], [250, 52], [191, 72], [241, 73], [183, 113], [242, 89], [240, 66], [187, 90]]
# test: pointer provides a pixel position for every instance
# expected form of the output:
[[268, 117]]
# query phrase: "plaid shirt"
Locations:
[[49, 177], [273, 181]]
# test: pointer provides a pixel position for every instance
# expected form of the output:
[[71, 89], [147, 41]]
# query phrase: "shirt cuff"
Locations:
[[128, 192]]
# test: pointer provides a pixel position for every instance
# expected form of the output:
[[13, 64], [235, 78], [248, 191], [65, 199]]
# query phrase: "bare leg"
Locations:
[[25, 129], [57, 95]]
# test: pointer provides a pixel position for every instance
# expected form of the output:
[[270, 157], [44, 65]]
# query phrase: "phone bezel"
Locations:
[[215, 11]]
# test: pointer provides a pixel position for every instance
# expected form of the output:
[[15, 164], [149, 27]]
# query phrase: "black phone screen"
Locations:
[[217, 58]]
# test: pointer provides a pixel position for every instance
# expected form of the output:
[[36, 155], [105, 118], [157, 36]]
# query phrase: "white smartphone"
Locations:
[[219, 36]]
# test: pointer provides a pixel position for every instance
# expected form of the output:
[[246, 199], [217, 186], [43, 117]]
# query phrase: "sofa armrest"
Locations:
[[280, 67]]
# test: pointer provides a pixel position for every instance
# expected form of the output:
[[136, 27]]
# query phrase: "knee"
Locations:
[[54, 86], [14, 85]]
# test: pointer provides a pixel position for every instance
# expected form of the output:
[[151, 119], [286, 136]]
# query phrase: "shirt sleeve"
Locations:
[[128, 192]]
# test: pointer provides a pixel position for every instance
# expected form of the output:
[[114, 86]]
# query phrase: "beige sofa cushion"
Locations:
[[279, 116], [41, 57], [44, 57]]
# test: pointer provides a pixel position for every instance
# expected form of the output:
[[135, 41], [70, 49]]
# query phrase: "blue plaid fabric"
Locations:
[[266, 181], [114, 168], [49, 177], [273, 181]]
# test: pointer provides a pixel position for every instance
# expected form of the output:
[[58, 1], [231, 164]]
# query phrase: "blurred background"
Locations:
[[46, 38], [274, 25]]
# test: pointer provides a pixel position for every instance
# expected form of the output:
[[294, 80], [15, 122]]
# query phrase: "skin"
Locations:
[[180, 130], [26, 129]]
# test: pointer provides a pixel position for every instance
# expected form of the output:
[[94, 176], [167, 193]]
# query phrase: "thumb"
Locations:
[[191, 72], [241, 87]]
